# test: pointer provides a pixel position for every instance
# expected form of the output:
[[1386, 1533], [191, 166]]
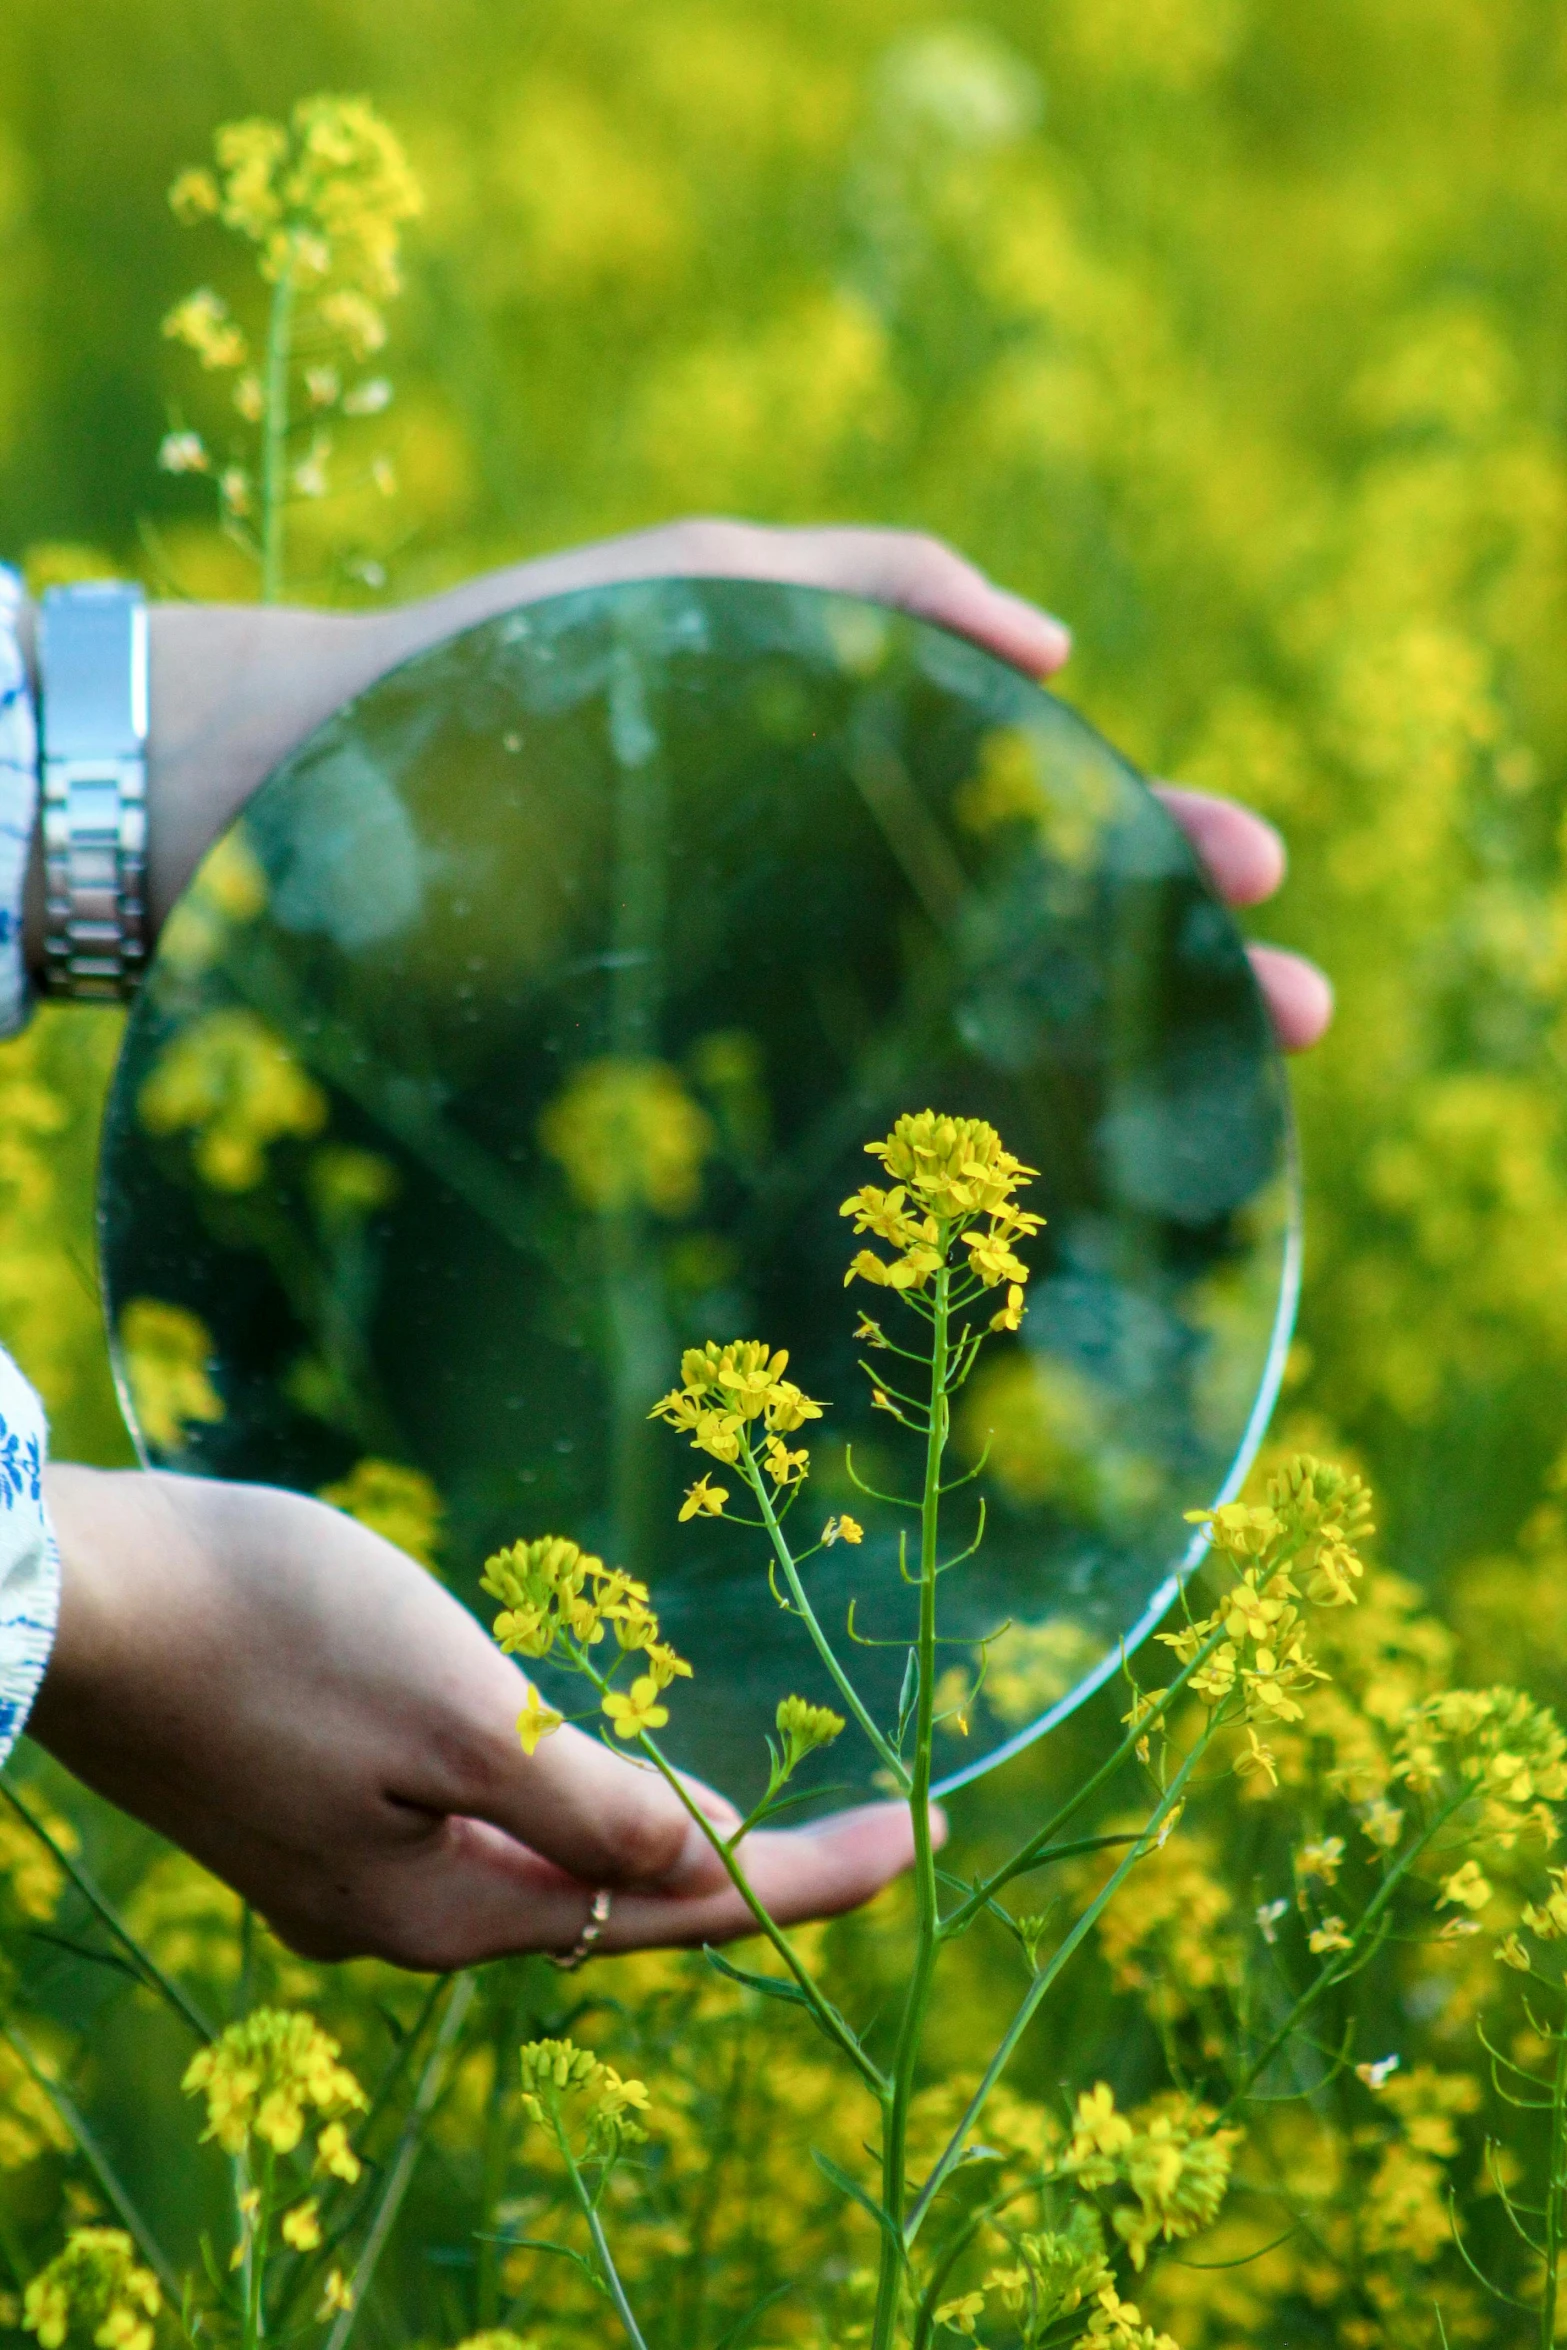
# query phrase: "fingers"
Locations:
[[597, 1815], [798, 1873], [924, 576], [1246, 862], [907, 568], [1299, 997], [467, 1893], [1243, 855]]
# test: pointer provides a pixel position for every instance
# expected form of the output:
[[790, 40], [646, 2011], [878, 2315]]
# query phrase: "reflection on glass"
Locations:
[[527, 1029]]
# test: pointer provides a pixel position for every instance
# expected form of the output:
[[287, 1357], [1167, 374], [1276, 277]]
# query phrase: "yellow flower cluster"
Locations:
[[266, 2076], [803, 1728], [394, 1501], [95, 2285], [952, 1181], [734, 1401], [1053, 2273], [1302, 1537], [168, 1351], [1498, 1751], [1168, 2155], [554, 1592], [627, 1134], [30, 2123], [554, 2070], [1170, 1933], [236, 1087], [1406, 2197], [324, 196]]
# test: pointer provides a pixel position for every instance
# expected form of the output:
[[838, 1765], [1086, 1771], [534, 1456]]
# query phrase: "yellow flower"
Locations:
[[1010, 1316], [335, 2156], [1512, 1953], [616, 2095], [263, 2072], [194, 196], [703, 1499], [337, 2294], [237, 1089], [844, 1529], [1466, 1886], [280, 2121], [167, 1351], [805, 1727], [202, 323], [536, 1720], [1321, 1860], [1330, 1935], [959, 2315], [396, 1502], [183, 452], [783, 1466], [639, 1711], [95, 2283], [627, 1133], [663, 1665], [1257, 1759], [302, 2226]]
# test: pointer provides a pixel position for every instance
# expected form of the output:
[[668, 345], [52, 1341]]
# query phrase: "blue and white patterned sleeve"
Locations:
[[29, 1561]]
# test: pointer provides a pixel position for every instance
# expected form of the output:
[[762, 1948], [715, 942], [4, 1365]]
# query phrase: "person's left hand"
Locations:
[[326, 1729]]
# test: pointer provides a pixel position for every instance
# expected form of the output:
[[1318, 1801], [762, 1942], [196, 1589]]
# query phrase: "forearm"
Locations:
[[236, 687]]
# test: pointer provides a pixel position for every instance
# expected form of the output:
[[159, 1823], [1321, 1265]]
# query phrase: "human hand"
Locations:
[[317, 1721], [236, 687], [1243, 855]]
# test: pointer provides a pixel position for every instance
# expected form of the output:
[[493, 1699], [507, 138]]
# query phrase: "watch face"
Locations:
[[529, 1028]]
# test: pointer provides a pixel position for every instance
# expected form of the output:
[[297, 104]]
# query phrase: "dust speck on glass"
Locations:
[[528, 1027]]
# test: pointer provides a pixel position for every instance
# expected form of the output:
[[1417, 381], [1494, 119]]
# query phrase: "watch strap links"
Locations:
[[92, 679]]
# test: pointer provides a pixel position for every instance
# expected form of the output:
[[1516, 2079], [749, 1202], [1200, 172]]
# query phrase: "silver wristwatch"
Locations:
[[92, 715]]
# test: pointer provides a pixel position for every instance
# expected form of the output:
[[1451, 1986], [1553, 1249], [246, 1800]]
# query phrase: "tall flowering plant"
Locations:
[[1108, 2189], [321, 200]]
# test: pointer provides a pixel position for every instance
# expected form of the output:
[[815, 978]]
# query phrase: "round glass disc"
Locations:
[[528, 1027]]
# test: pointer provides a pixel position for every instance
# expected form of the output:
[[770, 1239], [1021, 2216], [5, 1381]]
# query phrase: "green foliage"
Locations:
[[1233, 331]]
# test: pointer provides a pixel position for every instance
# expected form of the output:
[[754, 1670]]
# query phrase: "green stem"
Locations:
[[99, 2164], [1555, 2192], [606, 2262], [1340, 1966], [155, 1976], [274, 436], [887, 1754], [826, 2015], [927, 1910], [1037, 1850], [1044, 1980], [258, 2228], [497, 2157], [409, 2147]]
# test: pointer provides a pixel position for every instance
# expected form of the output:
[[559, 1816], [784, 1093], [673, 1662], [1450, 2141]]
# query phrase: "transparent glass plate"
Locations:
[[529, 1026]]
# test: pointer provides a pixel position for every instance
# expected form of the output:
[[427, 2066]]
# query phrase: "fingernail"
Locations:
[[1053, 636]]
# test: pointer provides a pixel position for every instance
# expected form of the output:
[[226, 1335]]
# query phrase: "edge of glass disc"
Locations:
[[1251, 1440]]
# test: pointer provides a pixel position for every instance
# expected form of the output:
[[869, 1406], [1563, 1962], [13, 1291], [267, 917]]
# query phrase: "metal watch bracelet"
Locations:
[[92, 714]]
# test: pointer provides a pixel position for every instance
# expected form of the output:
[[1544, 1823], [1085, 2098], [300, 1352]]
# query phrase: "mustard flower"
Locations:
[[631, 1714], [536, 1720], [703, 1499], [804, 1728], [96, 2283], [302, 2226], [264, 2076]]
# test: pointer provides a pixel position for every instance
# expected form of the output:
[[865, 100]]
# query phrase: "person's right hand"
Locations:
[[310, 1714]]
